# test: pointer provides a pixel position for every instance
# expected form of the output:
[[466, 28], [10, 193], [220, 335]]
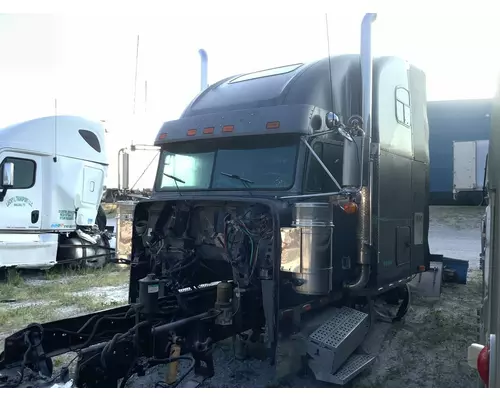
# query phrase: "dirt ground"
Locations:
[[51, 295], [427, 349]]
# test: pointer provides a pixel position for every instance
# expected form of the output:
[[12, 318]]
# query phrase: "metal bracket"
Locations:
[[203, 369]]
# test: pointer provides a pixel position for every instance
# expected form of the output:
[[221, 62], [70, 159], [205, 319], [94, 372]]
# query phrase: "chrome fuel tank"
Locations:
[[306, 248]]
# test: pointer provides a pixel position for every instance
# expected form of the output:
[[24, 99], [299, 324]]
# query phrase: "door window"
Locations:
[[24, 172]]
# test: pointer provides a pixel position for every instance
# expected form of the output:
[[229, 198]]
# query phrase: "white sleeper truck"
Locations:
[[52, 173]]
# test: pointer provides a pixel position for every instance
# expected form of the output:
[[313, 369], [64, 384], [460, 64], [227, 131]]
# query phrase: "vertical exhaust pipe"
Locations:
[[367, 72], [204, 69], [123, 168], [126, 170], [364, 231]]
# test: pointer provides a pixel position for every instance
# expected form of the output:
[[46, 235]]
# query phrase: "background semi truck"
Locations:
[[53, 172]]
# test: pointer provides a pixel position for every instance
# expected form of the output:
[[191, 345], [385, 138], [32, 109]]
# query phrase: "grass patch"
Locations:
[[16, 318], [87, 303], [57, 283], [57, 295]]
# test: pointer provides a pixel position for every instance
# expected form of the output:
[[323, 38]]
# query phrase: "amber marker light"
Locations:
[[350, 208]]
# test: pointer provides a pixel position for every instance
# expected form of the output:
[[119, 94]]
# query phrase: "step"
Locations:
[[330, 347], [354, 365]]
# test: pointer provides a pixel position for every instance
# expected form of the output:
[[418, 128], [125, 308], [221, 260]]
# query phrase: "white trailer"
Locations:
[[53, 171], [469, 161]]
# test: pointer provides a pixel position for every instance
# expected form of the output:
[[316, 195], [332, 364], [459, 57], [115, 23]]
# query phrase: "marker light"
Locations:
[[273, 125], [162, 136], [208, 131], [191, 132], [350, 208], [483, 365], [227, 128]]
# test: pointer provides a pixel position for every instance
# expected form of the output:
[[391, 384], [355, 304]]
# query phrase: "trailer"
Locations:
[[287, 202], [455, 121], [469, 167]]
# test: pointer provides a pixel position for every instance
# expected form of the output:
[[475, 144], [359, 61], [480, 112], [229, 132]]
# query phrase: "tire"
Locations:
[[101, 219]]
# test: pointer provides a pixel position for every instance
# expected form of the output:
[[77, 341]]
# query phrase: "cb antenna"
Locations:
[[329, 60], [136, 68], [55, 131], [145, 97]]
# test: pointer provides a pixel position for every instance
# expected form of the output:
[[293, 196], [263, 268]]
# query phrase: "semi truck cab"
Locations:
[[53, 172]]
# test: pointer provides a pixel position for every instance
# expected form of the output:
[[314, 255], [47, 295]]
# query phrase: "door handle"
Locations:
[[35, 214]]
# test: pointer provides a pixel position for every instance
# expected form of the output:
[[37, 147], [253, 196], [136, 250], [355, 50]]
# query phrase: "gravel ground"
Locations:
[[427, 349]]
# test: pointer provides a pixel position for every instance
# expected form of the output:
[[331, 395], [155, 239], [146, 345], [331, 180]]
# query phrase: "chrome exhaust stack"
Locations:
[[364, 231], [123, 168], [204, 69]]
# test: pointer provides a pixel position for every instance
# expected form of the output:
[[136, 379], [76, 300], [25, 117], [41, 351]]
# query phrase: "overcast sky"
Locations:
[[88, 62]]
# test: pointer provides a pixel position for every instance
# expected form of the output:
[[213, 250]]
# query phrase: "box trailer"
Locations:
[[453, 121], [469, 160]]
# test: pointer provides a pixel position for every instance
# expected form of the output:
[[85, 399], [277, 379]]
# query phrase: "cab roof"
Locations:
[[277, 100]]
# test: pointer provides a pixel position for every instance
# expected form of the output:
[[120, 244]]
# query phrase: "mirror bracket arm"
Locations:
[[2, 194]]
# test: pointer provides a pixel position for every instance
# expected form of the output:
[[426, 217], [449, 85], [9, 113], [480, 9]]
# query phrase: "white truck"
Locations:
[[53, 171]]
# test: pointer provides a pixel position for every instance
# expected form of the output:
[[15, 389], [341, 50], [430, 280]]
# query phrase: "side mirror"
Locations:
[[8, 175], [332, 120]]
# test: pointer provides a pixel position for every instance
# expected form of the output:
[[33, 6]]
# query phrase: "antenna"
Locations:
[[145, 96], [329, 60], [55, 131], [136, 67]]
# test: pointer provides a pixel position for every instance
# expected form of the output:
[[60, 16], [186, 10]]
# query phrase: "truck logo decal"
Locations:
[[63, 226], [19, 201], [66, 215]]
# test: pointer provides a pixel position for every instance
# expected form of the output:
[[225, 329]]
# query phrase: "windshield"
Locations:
[[237, 164]]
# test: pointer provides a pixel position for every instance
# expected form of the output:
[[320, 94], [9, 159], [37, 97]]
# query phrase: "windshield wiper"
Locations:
[[244, 180], [174, 178]]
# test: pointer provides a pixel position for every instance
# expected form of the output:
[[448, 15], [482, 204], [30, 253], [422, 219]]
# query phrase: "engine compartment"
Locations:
[[185, 244]]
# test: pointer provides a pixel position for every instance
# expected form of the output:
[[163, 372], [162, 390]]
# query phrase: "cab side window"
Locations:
[[315, 171], [317, 179], [24, 172], [403, 109], [332, 157]]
